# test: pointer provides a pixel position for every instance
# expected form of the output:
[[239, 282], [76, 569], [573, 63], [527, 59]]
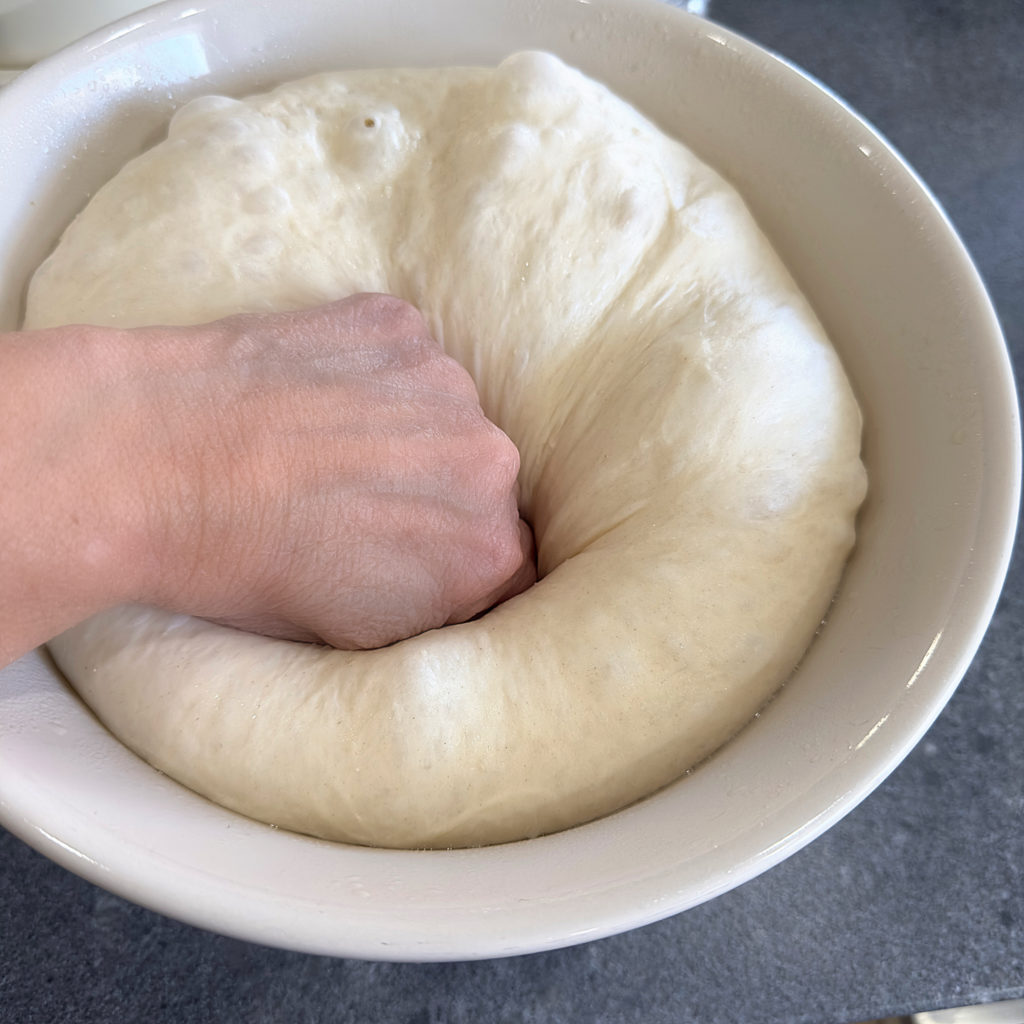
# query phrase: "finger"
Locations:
[[522, 579], [527, 574]]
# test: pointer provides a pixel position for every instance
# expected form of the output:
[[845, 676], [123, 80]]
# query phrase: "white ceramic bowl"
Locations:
[[908, 314]]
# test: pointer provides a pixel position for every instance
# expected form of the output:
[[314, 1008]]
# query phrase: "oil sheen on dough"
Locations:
[[689, 443]]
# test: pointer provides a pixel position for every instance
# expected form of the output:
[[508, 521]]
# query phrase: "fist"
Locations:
[[327, 475]]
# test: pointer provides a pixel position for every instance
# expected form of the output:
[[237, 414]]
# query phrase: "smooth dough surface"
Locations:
[[689, 442]]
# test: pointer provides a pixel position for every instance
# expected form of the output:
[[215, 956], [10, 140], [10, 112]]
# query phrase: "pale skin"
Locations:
[[324, 476]]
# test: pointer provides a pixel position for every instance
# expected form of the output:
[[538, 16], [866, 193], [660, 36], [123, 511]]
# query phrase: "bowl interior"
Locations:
[[904, 307]]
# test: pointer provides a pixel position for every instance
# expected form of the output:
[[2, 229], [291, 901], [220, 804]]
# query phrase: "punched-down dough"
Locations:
[[689, 443]]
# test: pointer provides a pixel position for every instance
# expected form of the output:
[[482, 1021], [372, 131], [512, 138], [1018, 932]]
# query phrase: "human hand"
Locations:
[[320, 475], [329, 475]]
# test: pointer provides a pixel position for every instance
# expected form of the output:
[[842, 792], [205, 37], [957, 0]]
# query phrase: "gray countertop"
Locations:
[[914, 901]]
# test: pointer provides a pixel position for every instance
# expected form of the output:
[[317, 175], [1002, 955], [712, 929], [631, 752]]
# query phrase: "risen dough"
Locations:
[[690, 447]]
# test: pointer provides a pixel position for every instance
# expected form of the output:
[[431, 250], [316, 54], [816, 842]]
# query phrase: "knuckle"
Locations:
[[483, 459], [398, 315], [508, 554], [384, 315], [503, 458], [455, 378]]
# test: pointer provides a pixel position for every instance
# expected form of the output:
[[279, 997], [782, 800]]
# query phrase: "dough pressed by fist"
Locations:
[[689, 444]]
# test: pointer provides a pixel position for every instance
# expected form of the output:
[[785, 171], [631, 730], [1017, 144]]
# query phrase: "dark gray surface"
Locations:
[[914, 901]]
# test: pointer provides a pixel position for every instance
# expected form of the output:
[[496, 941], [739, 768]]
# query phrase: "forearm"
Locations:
[[67, 524]]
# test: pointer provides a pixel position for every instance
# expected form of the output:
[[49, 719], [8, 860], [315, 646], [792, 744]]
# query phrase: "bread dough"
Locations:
[[689, 444]]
